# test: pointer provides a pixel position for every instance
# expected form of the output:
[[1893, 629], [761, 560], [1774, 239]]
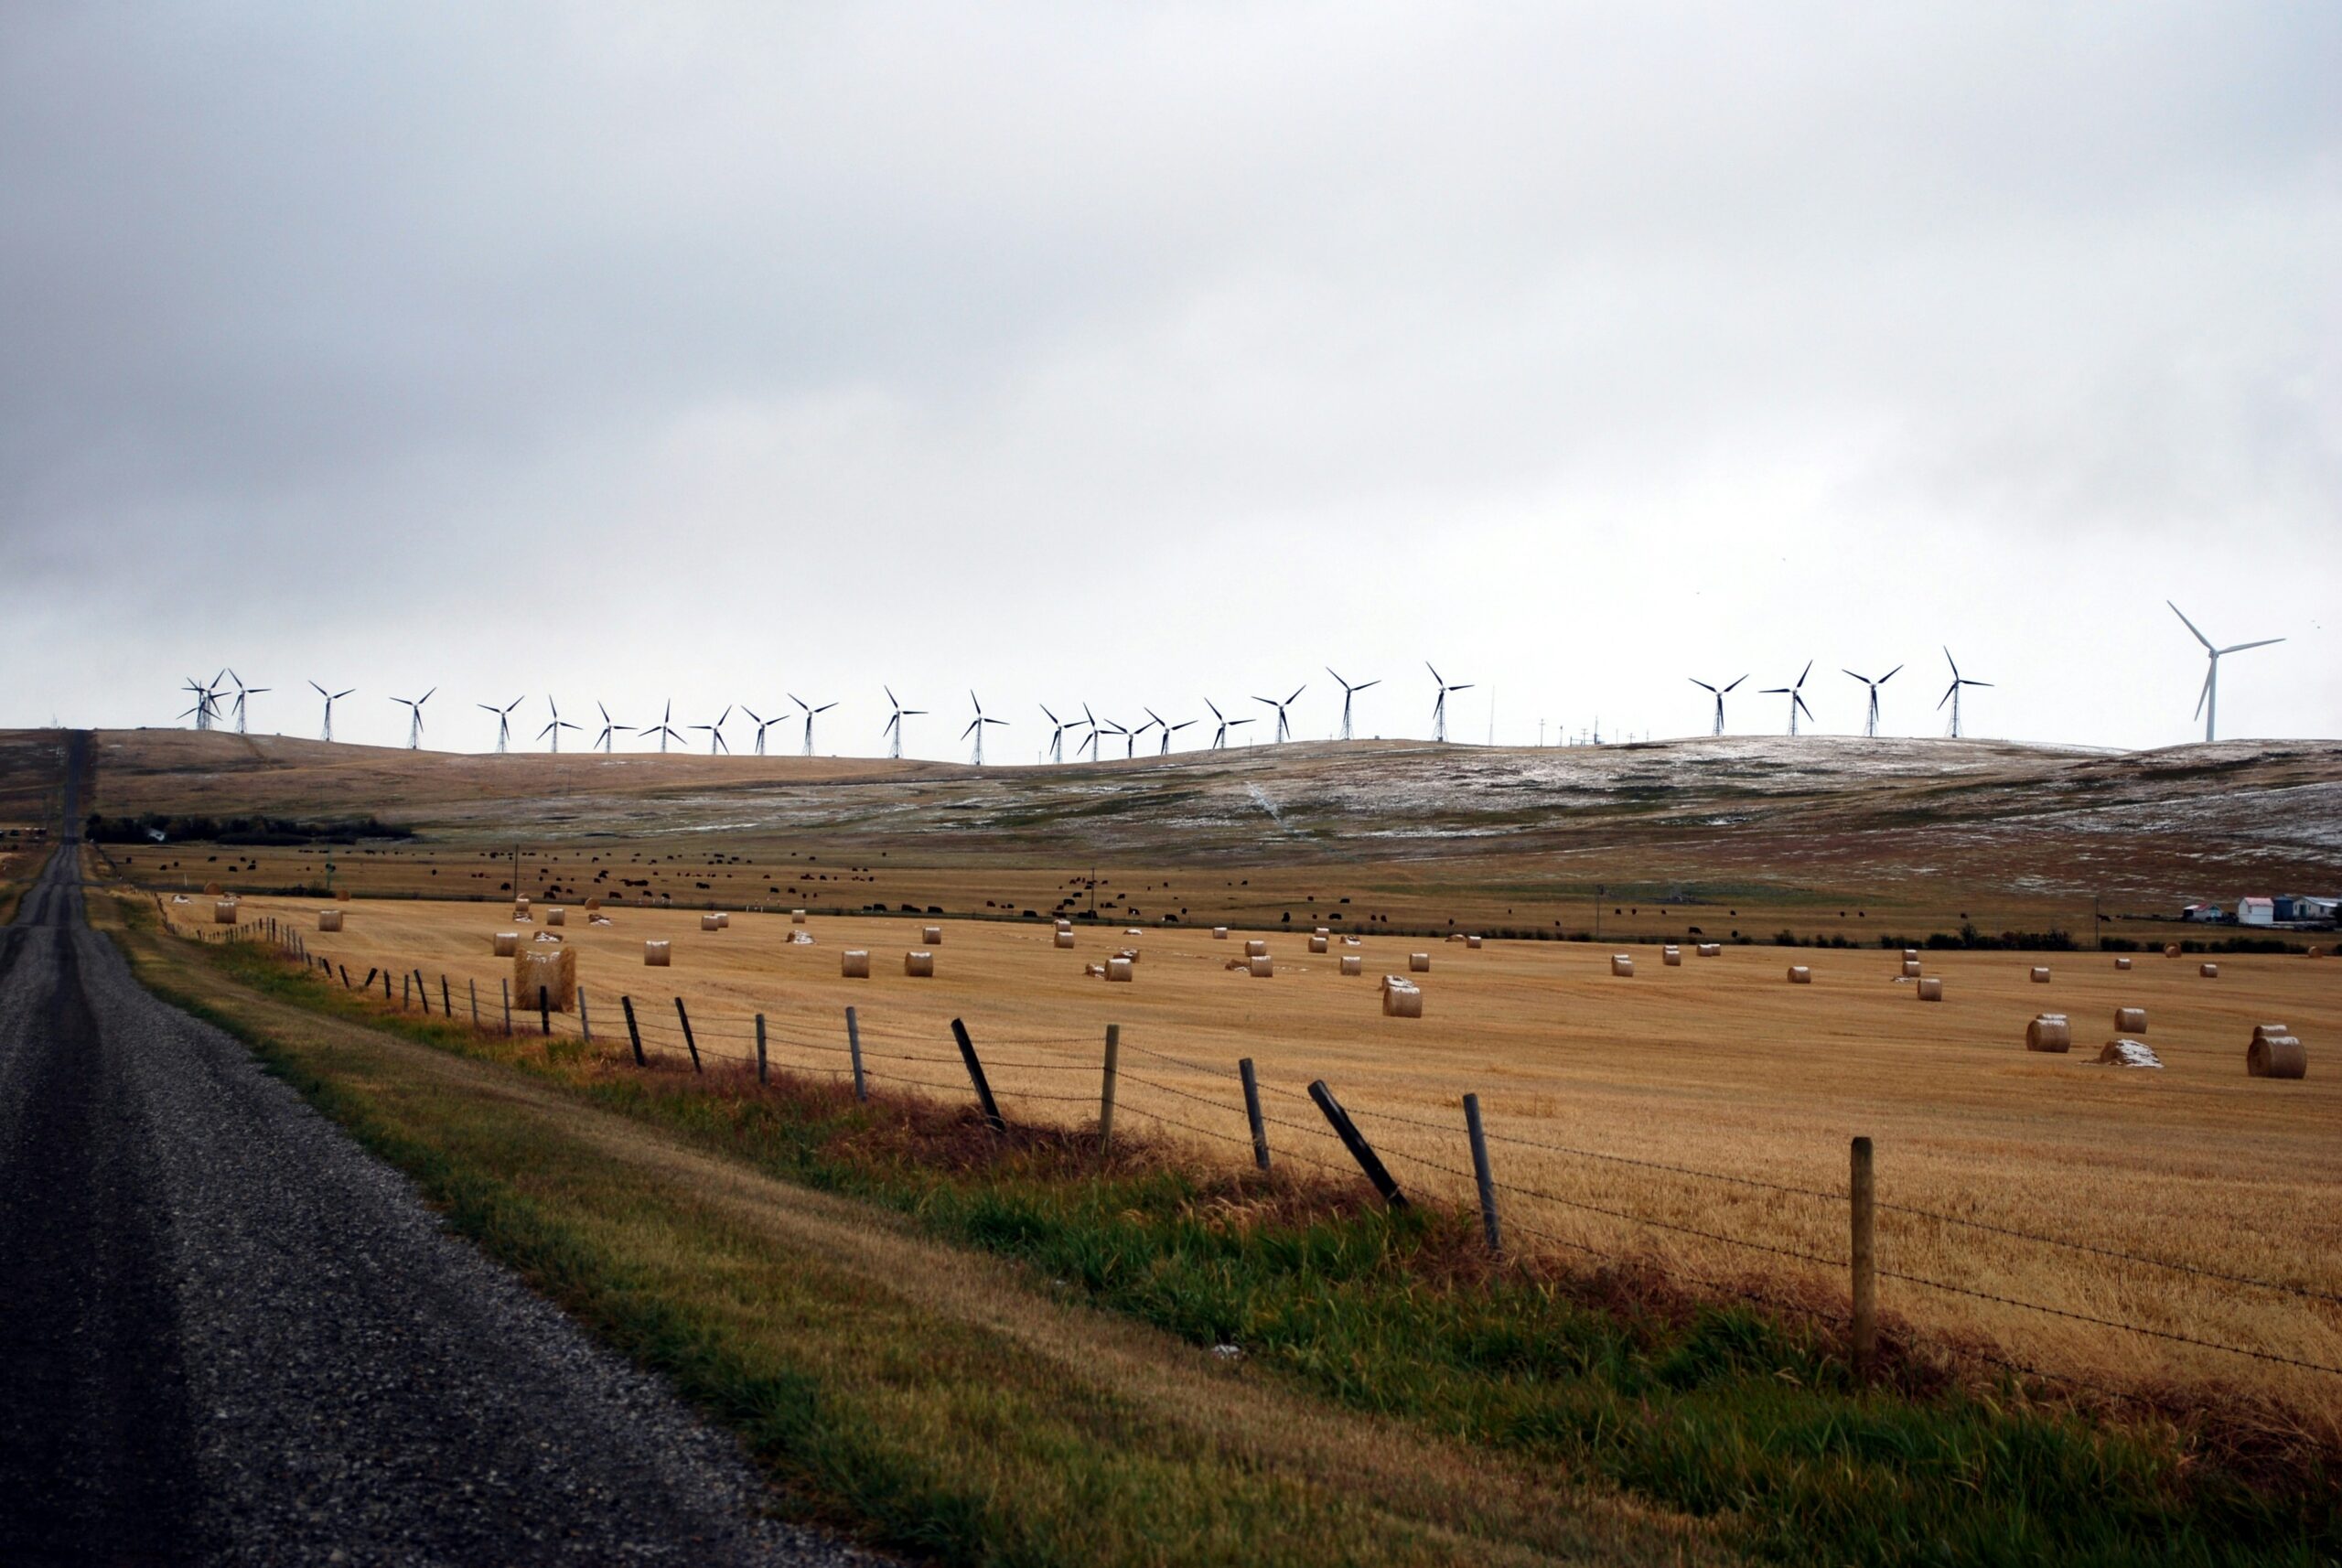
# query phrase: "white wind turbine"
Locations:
[[414, 707], [206, 711], [1439, 703], [1795, 694], [1951, 692], [1057, 733], [894, 730], [2208, 702], [1870, 723], [610, 730], [1348, 692], [976, 728], [809, 712], [1168, 730], [331, 698], [556, 727], [243, 692], [762, 724], [1089, 722], [1219, 735], [715, 741], [503, 720], [1284, 725], [665, 728], [1718, 692]]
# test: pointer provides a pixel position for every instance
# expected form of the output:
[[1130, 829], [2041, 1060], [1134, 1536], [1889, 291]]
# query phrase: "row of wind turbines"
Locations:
[[224, 700]]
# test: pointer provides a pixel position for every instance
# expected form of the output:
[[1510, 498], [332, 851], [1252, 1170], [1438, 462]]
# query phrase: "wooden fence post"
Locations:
[[1106, 1085], [854, 1047], [689, 1044], [633, 1030], [1482, 1175], [1253, 1113], [544, 1011], [345, 979], [474, 985], [1863, 1191], [1355, 1142], [976, 1076], [422, 992], [585, 1024], [447, 1003], [406, 990], [386, 985], [507, 985], [764, 1074]]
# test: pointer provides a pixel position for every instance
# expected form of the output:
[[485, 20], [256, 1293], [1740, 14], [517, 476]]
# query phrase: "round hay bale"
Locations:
[[1064, 939], [1119, 968], [1800, 975], [1064, 925], [1318, 944], [1672, 956], [920, 964], [1129, 953], [552, 970], [854, 963], [723, 920], [2276, 1056], [2316, 952], [2123, 963], [931, 935], [520, 905], [1932, 988], [2170, 949], [592, 905], [797, 917], [1419, 962], [655, 954], [328, 919], [1322, 931], [1261, 966], [2040, 974], [1401, 998], [2049, 1032], [1472, 944], [1219, 933], [2209, 971], [2129, 1020], [1623, 965], [711, 922], [1910, 969], [223, 912], [1910, 955], [1353, 963], [212, 890], [557, 916], [509, 942], [1255, 948], [1711, 949], [2127, 1053], [1353, 941], [342, 897]]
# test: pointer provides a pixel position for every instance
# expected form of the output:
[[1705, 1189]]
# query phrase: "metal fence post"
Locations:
[[508, 1006], [854, 1047], [633, 1030], [1253, 1113], [1863, 1189], [1482, 1175], [689, 1043], [585, 1023], [1106, 1088], [764, 1074], [473, 985], [993, 1118], [1355, 1142]]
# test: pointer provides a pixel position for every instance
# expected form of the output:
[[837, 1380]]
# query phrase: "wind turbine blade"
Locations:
[[1883, 680], [1376, 681], [1863, 679], [2189, 624], [1464, 687], [2239, 648], [1807, 670], [1700, 684], [2204, 695], [1736, 682], [1976, 682], [1948, 691]]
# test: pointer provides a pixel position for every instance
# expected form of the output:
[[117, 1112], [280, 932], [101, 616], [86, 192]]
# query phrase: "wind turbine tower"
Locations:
[[715, 741], [1439, 702], [503, 720], [1795, 694], [1220, 735], [1718, 692], [976, 728], [809, 712], [1951, 692], [2208, 702], [1870, 721], [554, 728], [1285, 725], [331, 698], [665, 728], [243, 692], [1057, 733], [608, 731], [894, 730], [414, 707], [1348, 692]]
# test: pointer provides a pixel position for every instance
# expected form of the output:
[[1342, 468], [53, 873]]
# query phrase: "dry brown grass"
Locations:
[[1716, 1065]]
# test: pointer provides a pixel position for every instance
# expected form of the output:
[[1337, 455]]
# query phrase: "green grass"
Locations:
[[1715, 1412]]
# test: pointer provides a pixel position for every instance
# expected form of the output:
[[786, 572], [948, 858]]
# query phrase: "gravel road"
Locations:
[[229, 1334]]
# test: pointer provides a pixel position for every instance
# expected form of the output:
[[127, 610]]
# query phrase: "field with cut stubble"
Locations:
[[1592, 1083]]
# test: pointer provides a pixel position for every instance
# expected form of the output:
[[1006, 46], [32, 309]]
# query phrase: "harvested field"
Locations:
[[1717, 1067]]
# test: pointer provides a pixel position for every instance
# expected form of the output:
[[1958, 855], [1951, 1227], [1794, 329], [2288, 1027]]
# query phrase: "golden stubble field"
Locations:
[[1719, 1065]]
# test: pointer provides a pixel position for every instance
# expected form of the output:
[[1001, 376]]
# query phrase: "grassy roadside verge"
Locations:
[[1720, 1414], [934, 1400]]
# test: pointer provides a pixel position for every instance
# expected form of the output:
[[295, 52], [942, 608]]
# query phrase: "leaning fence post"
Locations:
[[1253, 1113], [854, 1047], [633, 1030], [345, 979], [763, 1074], [1482, 1175], [689, 1044], [1355, 1142], [1106, 1088], [1863, 1191], [447, 1002], [976, 1076], [422, 992], [585, 1024], [507, 984], [474, 985]]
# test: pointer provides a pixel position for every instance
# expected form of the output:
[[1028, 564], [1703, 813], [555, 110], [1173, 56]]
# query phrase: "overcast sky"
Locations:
[[1138, 355]]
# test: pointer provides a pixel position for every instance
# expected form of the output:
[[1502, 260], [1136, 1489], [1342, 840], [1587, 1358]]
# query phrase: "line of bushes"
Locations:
[[262, 830]]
